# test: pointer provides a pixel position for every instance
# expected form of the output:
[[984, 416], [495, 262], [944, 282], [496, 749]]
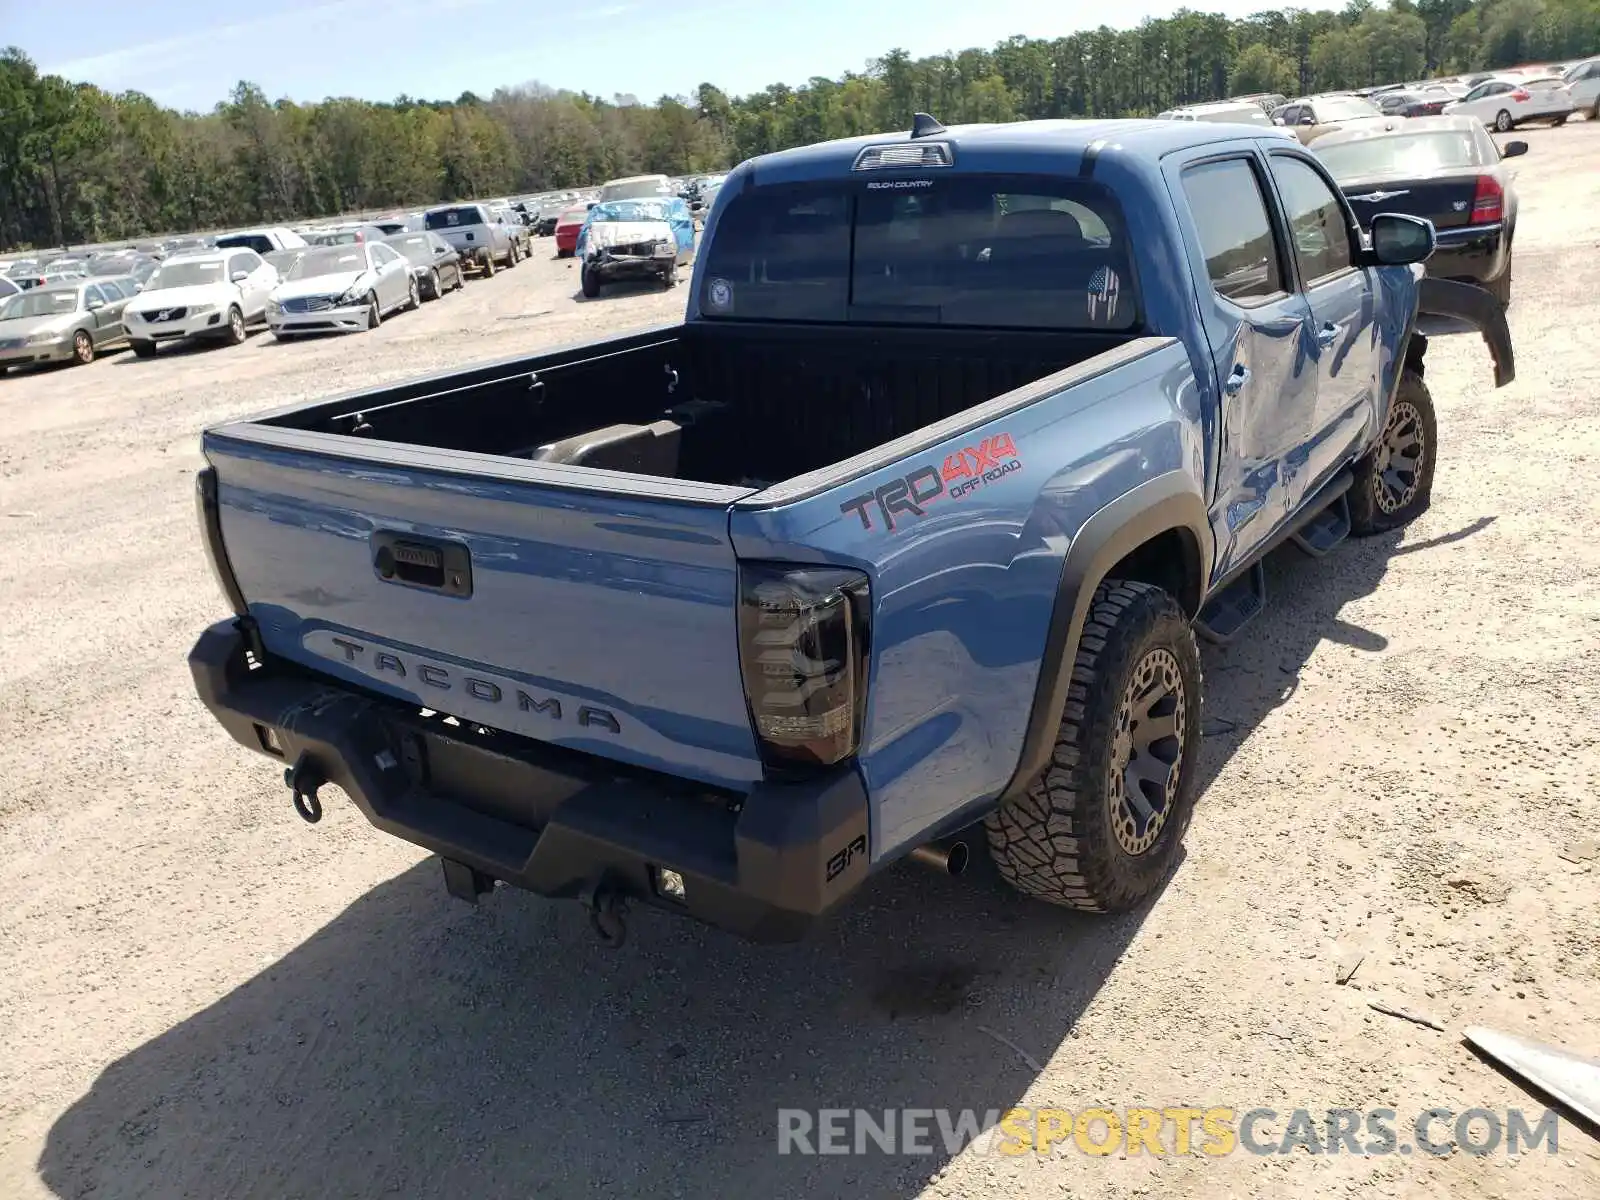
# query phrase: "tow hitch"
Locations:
[[304, 778], [608, 912]]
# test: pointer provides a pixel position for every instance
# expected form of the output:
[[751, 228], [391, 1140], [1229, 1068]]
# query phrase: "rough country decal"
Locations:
[[961, 475], [898, 185]]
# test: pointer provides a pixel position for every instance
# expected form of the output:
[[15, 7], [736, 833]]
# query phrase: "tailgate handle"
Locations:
[[431, 563]]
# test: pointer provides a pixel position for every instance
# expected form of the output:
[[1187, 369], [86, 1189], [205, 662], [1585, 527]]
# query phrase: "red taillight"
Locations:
[[1489, 202], [1521, 96], [803, 650]]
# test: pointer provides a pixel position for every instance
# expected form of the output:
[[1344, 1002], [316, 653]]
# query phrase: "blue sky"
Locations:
[[188, 53]]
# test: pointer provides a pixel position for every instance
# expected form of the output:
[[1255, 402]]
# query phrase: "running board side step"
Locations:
[[1317, 528], [1325, 530], [1234, 607]]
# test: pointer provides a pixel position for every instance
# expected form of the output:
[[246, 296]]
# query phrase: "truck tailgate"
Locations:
[[491, 591]]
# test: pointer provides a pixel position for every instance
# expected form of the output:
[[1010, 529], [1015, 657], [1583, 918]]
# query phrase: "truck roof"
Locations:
[[1144, 138]]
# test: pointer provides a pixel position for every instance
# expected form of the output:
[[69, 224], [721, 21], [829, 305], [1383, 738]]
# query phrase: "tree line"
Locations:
[[79, 164]]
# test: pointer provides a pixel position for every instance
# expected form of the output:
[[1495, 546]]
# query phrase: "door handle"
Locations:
[[1237, 378], [1327, 335]]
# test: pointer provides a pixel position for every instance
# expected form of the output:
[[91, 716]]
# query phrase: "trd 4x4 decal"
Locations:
[[961, 474]]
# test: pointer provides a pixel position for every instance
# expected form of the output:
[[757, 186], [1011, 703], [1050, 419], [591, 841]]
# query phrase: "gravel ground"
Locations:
[[203, 996]]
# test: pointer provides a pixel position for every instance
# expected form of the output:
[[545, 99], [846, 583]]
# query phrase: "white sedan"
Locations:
[[212, 296], [1507, 101], [341, 289]]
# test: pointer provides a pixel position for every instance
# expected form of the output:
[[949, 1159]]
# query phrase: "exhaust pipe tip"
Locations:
[[948, 858]]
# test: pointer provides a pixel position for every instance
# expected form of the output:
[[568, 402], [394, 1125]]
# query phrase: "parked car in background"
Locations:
[[635, 239], [636, 187], [433, 260], [346, 235], [1412, 104], [1229, 112], [568, 226], [281, 260], [8, 289], [342, 289], [1266, 101], [392, 225], [1447, 169], [550, 215], [1312, 116], [61, 323], [516, 229], [480, 240], [1583, 85], [260, 240], [214, 296], [1504, 102], [126, 286]]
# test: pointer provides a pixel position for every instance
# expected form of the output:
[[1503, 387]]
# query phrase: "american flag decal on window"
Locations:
[[1104, 288]]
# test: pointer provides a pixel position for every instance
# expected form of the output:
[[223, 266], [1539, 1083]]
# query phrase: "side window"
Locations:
[[93, 292], [1477, 93], [1316, 219], [237, 263], [1230, 217]]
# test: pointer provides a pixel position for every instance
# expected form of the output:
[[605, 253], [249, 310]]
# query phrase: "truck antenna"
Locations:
[[922, 125]]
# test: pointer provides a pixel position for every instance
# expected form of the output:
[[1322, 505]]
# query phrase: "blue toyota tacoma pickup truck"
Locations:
[[906, 532]]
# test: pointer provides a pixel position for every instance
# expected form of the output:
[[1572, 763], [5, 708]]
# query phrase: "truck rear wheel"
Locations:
[[1395, 477], [590, 283], [1100, 829]]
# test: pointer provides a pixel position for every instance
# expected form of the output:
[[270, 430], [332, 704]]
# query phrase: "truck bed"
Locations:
[[740, 405]]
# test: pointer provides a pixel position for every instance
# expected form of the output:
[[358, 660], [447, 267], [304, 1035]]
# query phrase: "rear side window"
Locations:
[[1317, 223], [975, 250], [1230, 218], [249, 241], [450, 218]]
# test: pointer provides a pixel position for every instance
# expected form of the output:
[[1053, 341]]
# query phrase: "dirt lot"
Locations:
[[203, 996]]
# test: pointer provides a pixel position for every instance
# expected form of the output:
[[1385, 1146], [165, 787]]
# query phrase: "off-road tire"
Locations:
[[1377, 502], [1059, 840]]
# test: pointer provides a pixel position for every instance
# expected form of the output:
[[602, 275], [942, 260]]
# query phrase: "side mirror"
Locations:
[[1514, 149], [93, 303], [239, 276], [1307, 119], [592, 203], [1398, 239]]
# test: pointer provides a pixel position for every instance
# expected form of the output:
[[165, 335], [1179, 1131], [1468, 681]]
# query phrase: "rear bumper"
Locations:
[[1475, 253], [764, 865]]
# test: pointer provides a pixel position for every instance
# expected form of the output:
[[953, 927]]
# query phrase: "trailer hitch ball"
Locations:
[[304, 778]]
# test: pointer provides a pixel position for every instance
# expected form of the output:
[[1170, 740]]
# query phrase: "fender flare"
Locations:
[[1446, 306], [1159, 505]]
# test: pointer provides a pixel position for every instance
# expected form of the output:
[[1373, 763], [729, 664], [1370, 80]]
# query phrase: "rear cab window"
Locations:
[[452, 218], [988, 251]]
